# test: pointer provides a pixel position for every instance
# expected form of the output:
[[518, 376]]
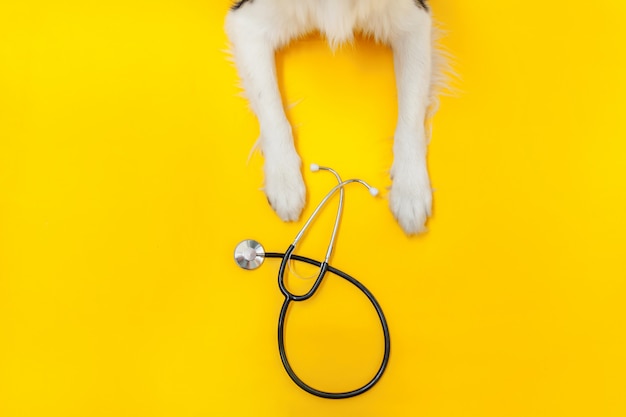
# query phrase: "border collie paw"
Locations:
[[284, 188], [410, 200]]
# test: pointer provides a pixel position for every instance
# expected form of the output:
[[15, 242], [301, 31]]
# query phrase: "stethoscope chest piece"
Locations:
[[249, 254]]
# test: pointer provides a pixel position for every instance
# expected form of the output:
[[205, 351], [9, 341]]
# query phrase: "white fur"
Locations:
[[259, 27]]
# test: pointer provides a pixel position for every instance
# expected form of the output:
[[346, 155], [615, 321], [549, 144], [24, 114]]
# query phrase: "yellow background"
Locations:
[[125, 185]]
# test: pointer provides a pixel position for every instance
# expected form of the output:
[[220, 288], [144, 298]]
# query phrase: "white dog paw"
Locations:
[[410, 200], [284, 188]]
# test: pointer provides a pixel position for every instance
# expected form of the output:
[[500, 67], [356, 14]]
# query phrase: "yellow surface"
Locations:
[[124, 187]]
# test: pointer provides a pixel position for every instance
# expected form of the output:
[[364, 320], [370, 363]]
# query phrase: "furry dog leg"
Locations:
[[410, 197], [254, 42], [256, 28]]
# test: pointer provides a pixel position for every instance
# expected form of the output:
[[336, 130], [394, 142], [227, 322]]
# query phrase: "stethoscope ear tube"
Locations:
[[283, 315]]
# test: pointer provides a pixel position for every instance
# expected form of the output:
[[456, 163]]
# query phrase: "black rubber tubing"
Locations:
[[283, 314]]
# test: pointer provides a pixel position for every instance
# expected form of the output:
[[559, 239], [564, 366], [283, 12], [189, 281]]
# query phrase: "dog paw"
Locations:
[[410, 199], [284, 188]]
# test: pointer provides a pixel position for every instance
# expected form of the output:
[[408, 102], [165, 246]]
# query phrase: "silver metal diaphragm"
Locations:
[[249, 254]]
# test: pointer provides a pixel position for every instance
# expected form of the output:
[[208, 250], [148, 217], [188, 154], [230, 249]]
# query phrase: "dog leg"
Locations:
[[410, 197], [254, 41]]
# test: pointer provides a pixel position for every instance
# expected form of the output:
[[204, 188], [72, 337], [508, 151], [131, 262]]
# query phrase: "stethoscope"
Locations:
[[250, 254]]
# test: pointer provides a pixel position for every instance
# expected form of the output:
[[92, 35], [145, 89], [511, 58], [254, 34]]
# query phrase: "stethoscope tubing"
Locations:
[[248, 256], [289, 297]]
